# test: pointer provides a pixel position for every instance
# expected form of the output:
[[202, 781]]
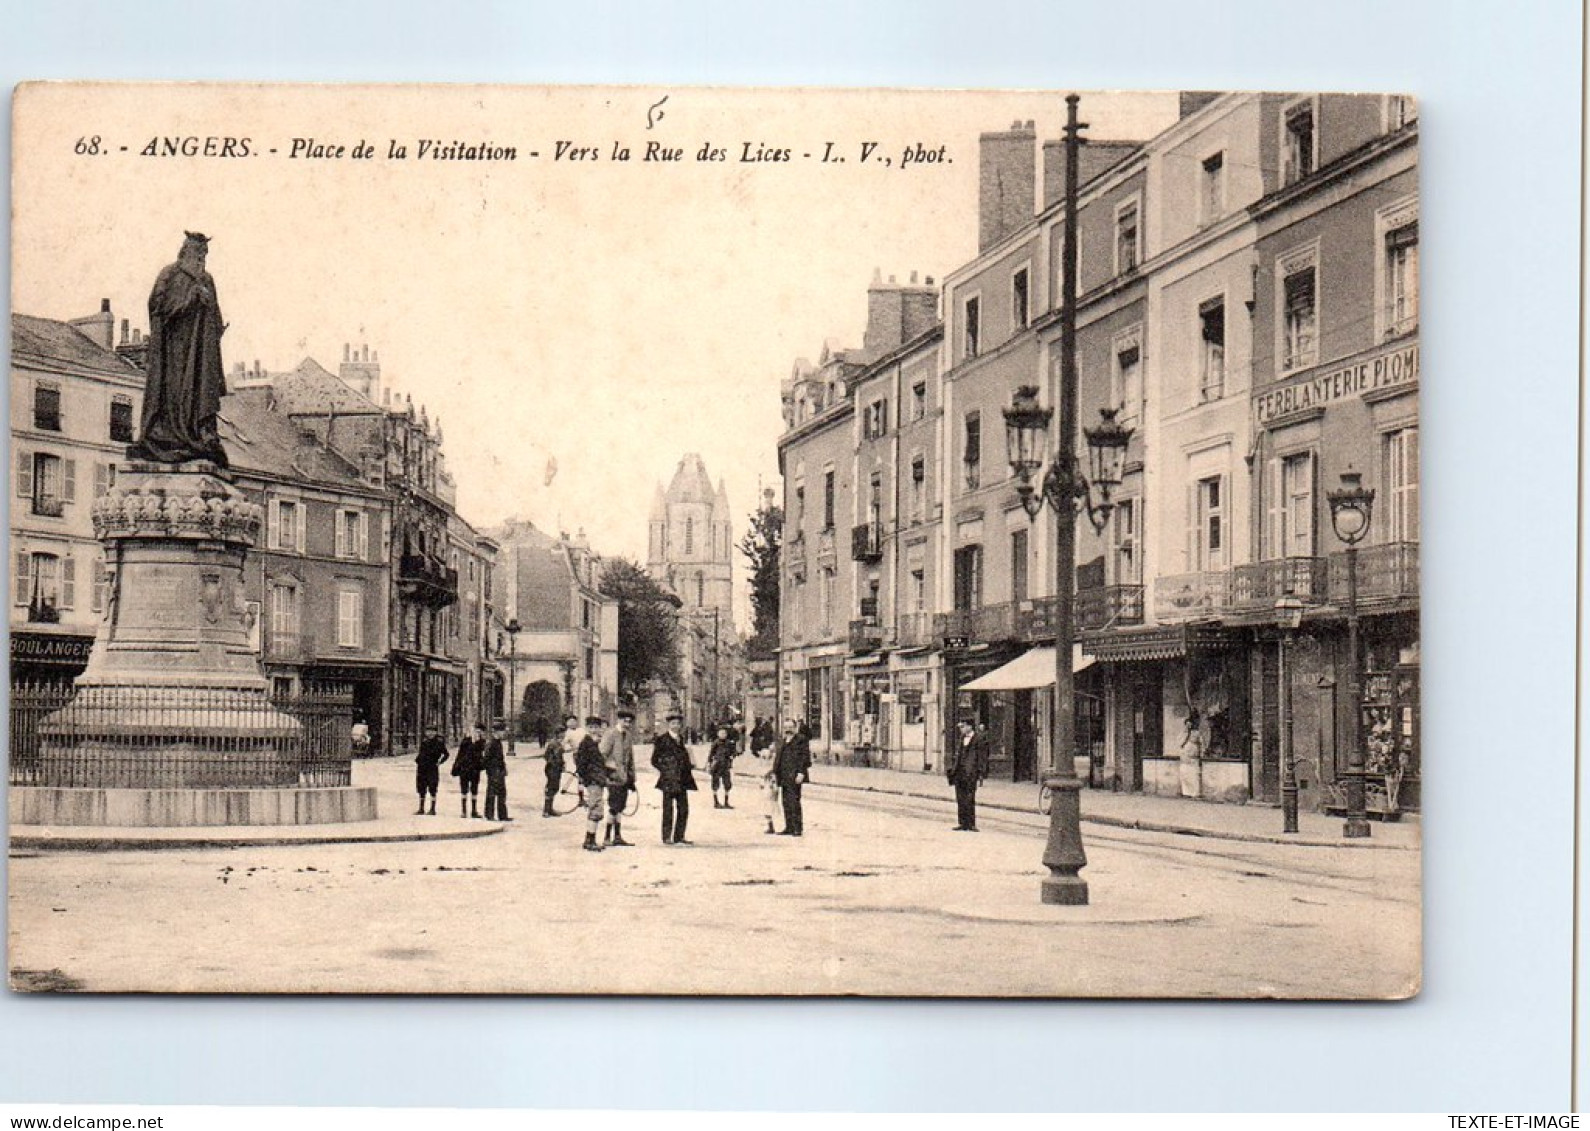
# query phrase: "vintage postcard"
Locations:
[[714, 541]]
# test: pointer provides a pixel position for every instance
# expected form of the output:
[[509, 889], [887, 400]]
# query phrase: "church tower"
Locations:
[[691, 543]]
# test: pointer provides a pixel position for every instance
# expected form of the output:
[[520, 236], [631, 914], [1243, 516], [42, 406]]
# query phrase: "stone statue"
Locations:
[[185, 381]]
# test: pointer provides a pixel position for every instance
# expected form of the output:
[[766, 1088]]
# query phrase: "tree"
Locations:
[[648, 640], [761, 549]]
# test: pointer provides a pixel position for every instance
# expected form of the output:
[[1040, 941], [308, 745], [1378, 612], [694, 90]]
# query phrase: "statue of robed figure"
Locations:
[[185, 380]]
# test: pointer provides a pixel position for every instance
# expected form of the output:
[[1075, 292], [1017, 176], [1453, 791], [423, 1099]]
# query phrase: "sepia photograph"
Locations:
[[726, 541]]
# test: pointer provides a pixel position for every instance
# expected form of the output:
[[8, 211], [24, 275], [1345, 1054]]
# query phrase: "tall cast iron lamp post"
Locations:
[[1067, 491], [1288, 617], [513, 628], [1352, 505]]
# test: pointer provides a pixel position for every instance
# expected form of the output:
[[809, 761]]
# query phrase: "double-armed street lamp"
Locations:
[[1352, 506], [1066, 490]]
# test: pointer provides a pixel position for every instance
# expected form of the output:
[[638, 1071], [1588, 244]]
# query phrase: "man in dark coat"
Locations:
[[591, 768], [184, 380], [466, 768], [792, 766], [966, 765], [493, 761], [671, 759], [427, 768]]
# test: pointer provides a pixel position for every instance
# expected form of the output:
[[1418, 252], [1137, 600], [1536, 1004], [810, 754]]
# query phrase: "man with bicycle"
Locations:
[[565, 742], [618, 754], [591, 768]]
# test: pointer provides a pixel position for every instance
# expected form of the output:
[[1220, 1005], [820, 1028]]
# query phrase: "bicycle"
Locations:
[[571, 796]]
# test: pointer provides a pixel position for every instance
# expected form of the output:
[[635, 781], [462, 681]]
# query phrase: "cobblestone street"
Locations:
[[880, 897]]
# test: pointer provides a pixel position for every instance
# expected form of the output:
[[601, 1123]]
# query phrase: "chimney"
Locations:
[[99, 328], [1006, 180], [1192, 101], [1097, 156], [897, 312], [124, 332]]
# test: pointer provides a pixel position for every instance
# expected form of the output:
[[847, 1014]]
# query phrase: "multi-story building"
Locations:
[[1247, 303], [397, 449], [564, 659], [316, 583], [74, 410], [858, 533]]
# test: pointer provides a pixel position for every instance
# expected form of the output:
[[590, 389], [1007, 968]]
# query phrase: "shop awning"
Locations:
[[1033, 668]]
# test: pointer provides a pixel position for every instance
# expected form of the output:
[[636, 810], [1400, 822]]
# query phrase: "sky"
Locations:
[[609, 316]]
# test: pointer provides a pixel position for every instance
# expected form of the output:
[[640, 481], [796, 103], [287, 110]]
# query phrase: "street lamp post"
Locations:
[[1352, 505], [1066, 490], [513, 628], [1288, 615]]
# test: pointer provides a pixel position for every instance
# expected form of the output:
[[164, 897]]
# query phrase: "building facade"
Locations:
[[75, 404], [1247, 304], [564, 658]]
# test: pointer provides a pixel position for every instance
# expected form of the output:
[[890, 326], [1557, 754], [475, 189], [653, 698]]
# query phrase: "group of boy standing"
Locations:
[[477, 756], [604, 763]]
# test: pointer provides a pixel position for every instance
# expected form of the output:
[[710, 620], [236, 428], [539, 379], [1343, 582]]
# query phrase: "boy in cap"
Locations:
[[592, 771], [496, 768], [618, 754], [720, 762]]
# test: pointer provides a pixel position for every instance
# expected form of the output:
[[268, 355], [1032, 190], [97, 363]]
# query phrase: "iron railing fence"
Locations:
[[179, 738]]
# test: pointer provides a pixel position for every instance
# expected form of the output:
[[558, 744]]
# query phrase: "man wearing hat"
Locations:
[[966, 766], [591, 769], [792, 767], [427, 771], [618, 755], [496, 767], [670, 757]]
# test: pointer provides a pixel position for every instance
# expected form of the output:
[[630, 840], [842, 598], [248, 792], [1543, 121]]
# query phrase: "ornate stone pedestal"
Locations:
[[171, 722]]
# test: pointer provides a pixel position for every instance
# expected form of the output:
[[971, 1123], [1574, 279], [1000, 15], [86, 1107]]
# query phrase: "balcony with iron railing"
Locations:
[[985, 624], [1261, 584], [427, 581], [1109, 606], [866, 635], [1389, 571], [1190, 596], [43, 612], [866, 542]]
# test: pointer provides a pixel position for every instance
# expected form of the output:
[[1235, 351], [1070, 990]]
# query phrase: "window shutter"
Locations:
[[273, 523], [364, 536], [1312, 546], [68, 583], [1192, 527], [24, 577], [24, 475], [302, 510], [341, 535], [1273, 543], [69, 491], [97, 592], [101, 479]]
